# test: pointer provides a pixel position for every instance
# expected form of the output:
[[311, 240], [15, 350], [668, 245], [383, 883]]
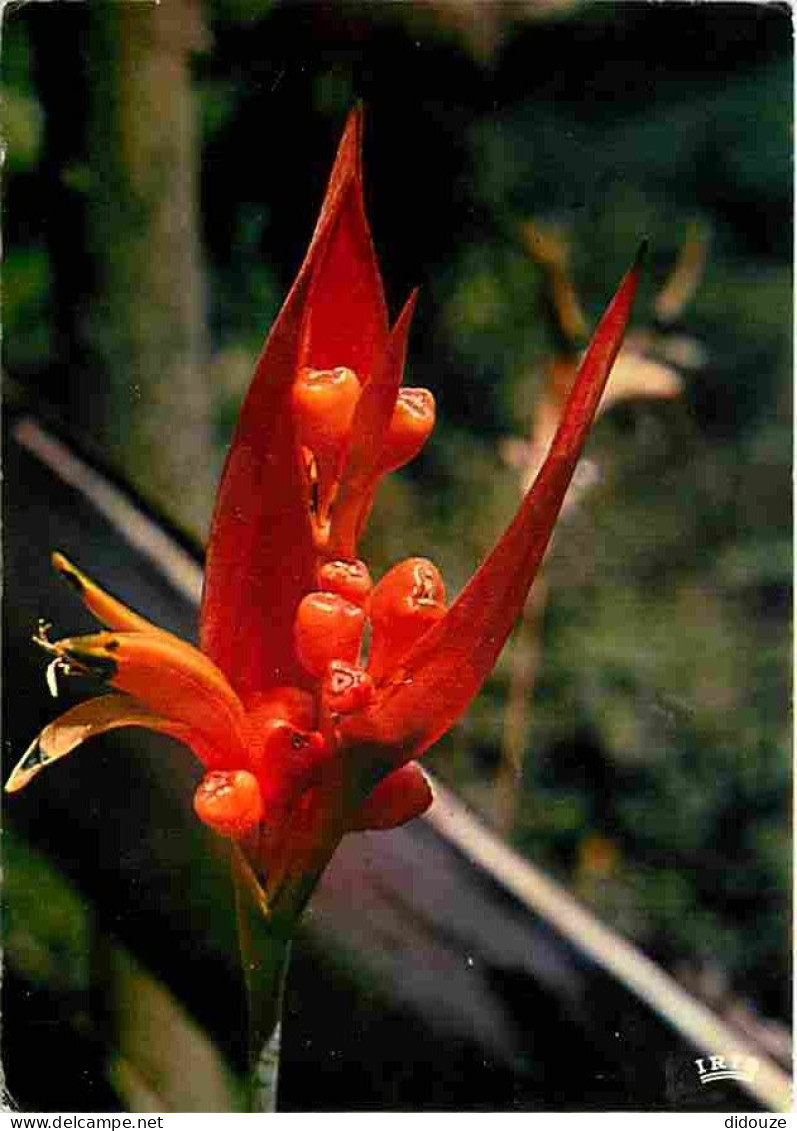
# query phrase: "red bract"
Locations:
[[304, 737]]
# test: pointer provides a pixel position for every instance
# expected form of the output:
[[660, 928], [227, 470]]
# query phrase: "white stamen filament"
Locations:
[[50, 674]]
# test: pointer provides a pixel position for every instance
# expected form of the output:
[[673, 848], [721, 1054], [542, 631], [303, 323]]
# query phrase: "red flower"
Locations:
[[302, 738]]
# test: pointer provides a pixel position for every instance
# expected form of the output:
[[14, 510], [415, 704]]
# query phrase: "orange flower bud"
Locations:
[[350, 580], [286, 761], [412, 422], [400, 797], [346, 688], [280, 750], [327, 628], [324, 401], [408, 600], [229, 802]]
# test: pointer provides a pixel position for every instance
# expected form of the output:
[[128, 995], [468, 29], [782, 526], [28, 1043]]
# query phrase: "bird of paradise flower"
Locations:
[[304, 734]]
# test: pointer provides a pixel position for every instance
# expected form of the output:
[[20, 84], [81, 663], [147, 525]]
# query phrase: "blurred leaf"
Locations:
[[26, 301], [47, 925], [22, 123]]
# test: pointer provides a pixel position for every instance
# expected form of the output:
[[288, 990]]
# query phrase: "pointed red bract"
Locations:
[[371, 422], [437, 679], [260, 560], [345, 319]]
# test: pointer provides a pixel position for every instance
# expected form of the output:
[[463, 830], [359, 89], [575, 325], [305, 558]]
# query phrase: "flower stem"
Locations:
[[265, 952], [264, 1074]]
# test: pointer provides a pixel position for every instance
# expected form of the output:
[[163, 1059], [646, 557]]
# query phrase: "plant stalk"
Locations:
[[265, 945]]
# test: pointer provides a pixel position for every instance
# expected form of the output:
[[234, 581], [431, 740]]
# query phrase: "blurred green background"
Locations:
[[164, 168]]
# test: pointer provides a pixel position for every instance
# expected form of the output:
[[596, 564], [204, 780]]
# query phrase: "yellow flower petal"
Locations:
[[102, 605], [75, 726], [168, 677]]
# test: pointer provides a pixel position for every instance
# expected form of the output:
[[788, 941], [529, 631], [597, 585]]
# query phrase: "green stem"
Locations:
[[265, 952], [265, 1074]]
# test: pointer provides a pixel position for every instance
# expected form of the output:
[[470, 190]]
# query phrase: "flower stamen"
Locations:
[[50, 675]]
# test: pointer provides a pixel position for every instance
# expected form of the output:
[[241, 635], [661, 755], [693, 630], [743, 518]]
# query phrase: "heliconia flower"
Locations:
[[304, 733]]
